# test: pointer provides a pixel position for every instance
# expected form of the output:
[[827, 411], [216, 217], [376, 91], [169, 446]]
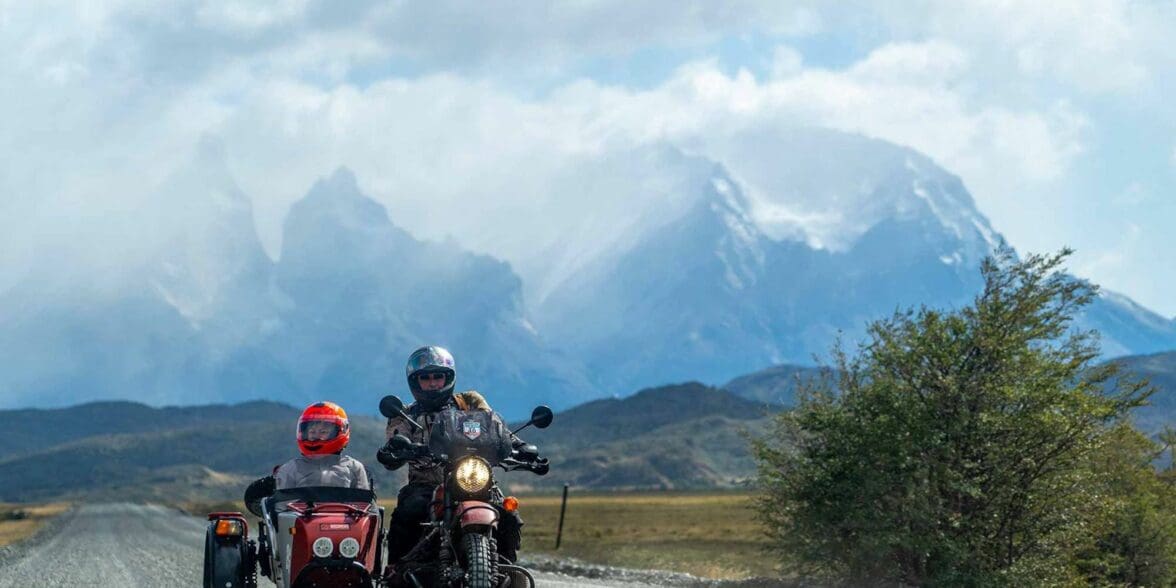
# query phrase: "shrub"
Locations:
[[971, 447]]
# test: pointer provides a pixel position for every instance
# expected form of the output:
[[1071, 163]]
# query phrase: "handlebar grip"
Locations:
[[527, 452]]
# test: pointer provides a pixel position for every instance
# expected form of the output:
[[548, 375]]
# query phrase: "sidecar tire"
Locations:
[[225, 564], [476, 548]]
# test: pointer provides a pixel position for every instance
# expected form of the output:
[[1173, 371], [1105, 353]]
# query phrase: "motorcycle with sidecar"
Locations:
[[310, 536], [334, 537]]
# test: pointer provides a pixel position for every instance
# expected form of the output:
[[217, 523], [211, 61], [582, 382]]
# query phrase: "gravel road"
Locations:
[[115, 545]]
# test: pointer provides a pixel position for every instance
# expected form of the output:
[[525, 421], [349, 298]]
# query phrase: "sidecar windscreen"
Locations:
[[470, 432], [323, 494]]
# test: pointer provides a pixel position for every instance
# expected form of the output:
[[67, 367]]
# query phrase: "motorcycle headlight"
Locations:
[[472, 475]]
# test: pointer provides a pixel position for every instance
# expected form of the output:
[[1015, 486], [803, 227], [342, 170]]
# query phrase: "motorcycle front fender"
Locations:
[[475, 513]]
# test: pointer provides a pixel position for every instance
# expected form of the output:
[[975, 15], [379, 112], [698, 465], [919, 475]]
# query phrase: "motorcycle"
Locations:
[[457, 547], [310, 536]]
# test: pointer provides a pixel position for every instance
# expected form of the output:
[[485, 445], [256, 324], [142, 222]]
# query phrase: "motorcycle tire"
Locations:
[[476, 548]]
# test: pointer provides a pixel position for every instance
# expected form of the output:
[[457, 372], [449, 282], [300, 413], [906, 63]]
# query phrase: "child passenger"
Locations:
[[323, 432]]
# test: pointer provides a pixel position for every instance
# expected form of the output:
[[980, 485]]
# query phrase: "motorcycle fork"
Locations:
[[450, 563]]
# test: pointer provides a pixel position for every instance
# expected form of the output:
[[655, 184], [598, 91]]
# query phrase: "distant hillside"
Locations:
[[778, 384], [680, 436], [127, 450], [673, 437], [35, 429], [1160, 370]]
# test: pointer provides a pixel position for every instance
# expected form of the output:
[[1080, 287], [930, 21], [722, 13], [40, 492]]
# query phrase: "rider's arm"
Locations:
[[258, 489], [396, 426]]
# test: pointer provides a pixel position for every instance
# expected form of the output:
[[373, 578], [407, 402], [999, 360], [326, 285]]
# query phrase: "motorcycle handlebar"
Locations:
[[539, 466], [523, 457]]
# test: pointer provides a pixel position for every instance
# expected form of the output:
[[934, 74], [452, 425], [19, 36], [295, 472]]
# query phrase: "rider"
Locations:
[[323, 432], [431, 376]]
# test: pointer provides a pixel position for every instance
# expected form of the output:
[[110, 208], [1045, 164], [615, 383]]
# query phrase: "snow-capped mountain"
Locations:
[[791, 243], [1126, 328], [365, 293], [762, 252], [174, 325], [208, 317]]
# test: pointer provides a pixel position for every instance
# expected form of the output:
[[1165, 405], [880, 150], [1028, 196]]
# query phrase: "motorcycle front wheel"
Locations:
[[476, 548]]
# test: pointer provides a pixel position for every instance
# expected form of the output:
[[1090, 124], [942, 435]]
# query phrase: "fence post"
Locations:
[[563, 507]]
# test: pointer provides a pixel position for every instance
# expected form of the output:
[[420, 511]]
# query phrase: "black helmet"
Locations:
[[427, 360]]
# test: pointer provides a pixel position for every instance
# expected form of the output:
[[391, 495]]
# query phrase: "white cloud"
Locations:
[[786, 62], [1098, 46], [935, 62], [526, 35], [248, 17], [101, 101], [457, 145]]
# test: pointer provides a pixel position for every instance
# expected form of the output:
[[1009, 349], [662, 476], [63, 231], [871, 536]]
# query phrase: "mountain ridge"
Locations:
[[676, 436]]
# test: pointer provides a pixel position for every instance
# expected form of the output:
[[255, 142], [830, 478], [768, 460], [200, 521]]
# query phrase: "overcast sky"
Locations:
[[1057, 116]]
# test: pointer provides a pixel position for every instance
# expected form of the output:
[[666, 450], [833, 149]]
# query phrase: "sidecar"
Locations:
[[314, 536]]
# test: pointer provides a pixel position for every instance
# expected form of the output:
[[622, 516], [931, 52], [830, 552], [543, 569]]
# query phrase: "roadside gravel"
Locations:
[[573, 568], [110, 545], [15, 551]]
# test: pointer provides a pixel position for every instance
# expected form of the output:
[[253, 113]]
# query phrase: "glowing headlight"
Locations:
[[349, 547], [472, 475], [323, 547]]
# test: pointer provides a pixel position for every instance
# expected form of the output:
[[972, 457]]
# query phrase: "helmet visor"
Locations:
[[317, 430], [429, 358]]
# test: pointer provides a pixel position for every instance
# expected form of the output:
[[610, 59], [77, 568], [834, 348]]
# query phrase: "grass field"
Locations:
[[19, 521], [713, 535]]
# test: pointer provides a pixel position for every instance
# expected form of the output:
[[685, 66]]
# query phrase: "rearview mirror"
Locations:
[[391, 406], [542, 416]]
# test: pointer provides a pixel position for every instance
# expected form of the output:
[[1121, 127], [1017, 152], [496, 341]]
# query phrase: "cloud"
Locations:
[[1095, 45], [452, 144], [935, 62], [469, 158], [527, 35], [467, 120]]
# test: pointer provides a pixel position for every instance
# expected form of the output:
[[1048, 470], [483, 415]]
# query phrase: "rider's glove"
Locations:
[[389, 458]]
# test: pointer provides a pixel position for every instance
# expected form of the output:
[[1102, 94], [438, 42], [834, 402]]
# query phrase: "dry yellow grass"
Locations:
[[19, 521], [713, 535]]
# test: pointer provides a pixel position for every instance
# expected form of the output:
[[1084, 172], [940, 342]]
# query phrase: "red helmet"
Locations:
[[323, 429]]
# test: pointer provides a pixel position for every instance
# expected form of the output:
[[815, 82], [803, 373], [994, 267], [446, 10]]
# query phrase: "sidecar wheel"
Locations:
[[476, 548], [225, 564]]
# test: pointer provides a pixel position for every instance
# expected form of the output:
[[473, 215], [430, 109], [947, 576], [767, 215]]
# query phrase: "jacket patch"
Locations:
[[471, 429]]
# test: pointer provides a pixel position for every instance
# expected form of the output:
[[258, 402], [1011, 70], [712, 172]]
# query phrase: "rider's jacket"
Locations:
[[423, 472], [322, 470]]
